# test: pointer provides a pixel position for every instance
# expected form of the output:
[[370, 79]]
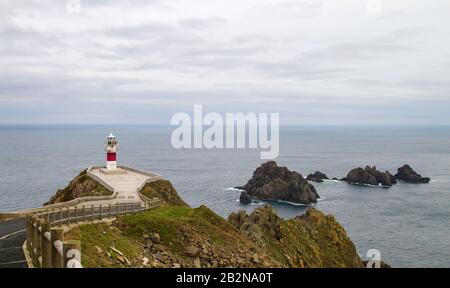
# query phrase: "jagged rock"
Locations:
[[315, 240], [370, 176], [238, 218], [154, 237], [310, 240], [270, 182], [407, 174], [244, 198], [164, 191], [317, 177], [263, 219], [192, 251], [160, 257]]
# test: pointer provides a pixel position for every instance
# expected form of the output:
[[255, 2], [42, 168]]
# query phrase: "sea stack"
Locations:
[[271, 182], [370, 176], [407, 174], [317, 177]]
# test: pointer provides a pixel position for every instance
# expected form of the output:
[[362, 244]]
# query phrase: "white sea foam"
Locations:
[[294, 204], [331, 180], [233, 189], [369, 185]]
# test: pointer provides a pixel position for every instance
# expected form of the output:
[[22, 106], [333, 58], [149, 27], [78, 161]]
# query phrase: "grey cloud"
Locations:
[[284, 56], [202, 23], [289, 8]]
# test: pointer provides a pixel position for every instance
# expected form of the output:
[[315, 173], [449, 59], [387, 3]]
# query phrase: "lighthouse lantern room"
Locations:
[[111, 152]]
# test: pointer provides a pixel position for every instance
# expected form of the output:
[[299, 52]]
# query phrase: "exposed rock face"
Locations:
[[317, 177], [270, 182], [163, 190], [370, 176], [244, 198], [81, 186], [310, 240], [261, 221], [407, 174], [199, 238], [189, 238]]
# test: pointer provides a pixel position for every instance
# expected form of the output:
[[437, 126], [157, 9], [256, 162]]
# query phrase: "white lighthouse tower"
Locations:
[[111, 157], [111, 152]]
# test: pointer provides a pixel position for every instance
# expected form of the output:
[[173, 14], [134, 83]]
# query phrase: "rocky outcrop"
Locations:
[[370, 176], [163, 190], [182, 237], [81, 186], [271, 182], [170, 237], [317, 177], [407, 174], [244, 198], [262, 221], [310, 240]]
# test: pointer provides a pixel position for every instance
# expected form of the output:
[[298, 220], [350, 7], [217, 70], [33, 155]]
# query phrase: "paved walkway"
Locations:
[[126, 185]]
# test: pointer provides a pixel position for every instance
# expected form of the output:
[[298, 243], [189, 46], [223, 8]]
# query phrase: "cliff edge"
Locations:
[[80, 186], [176, 235]]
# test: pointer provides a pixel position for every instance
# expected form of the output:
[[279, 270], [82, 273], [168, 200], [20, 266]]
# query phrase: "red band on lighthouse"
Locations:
[[111, 156]]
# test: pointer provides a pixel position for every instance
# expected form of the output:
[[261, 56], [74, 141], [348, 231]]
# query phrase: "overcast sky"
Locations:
[[138, 62]]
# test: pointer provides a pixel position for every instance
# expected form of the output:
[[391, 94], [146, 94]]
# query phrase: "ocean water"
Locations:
[[408, 224]]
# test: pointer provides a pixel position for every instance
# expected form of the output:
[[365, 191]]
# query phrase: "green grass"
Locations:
[[104, 236], [314, 241], [163, 190], [167, 221], [127, 233]]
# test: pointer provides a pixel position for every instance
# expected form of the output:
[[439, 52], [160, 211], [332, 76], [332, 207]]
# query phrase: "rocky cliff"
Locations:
[[176, 235], [163, 190], [310, 240], [81, 186]]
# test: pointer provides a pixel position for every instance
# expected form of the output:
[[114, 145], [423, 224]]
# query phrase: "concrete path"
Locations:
[[126, 185]]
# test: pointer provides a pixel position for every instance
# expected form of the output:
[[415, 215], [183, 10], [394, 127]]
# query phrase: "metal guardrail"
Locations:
[[80, 200], [45, 234]]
